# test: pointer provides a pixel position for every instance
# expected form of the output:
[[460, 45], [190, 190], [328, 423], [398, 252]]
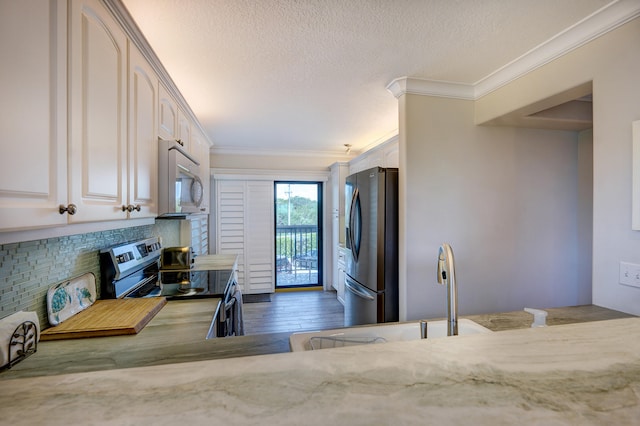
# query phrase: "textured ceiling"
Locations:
[[311, 75]]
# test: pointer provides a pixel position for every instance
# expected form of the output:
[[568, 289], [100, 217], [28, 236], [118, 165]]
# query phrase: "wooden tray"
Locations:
[[109, 317]]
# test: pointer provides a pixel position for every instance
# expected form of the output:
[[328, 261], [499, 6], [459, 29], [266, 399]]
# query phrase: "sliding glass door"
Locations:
[[298, 234]]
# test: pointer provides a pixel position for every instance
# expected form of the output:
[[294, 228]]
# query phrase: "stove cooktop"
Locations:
[[188, 284]]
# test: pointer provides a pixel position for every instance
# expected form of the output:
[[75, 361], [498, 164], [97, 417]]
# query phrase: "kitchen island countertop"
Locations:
[[586, 373], [177, 334]]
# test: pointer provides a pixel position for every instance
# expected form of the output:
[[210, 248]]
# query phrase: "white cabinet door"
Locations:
[[374, 159], [143, 142], [384, 155], [391, 155], [167, 114], [358, 165], [201, 152], [98, 156], [184, 131], [244, 226], [33, 71], [339, 172]]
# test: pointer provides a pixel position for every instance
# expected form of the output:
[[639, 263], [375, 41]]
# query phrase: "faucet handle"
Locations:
[[442, 273]]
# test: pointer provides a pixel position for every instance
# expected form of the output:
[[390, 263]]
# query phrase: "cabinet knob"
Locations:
[[131, 208], [71, 209]]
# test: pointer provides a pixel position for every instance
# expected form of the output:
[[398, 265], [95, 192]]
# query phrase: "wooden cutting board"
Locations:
[[109, 317]]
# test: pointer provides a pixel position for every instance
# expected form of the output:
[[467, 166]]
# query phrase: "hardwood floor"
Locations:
[[293, 312]]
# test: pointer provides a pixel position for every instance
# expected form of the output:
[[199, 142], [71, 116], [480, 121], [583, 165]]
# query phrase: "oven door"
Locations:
[[227, 320]]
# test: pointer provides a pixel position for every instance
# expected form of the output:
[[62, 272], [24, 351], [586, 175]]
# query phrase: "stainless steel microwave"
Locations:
[[180, 189]]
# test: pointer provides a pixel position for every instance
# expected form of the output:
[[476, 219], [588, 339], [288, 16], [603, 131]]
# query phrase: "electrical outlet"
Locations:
[[630, 274]]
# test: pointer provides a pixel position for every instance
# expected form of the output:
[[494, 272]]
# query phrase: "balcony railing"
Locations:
[[297, 254]]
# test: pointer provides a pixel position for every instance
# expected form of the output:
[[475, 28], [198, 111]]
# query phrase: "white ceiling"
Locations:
[[311, 75]]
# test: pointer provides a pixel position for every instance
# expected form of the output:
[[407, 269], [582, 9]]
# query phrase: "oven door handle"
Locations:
[[225, 308], [229, 292]]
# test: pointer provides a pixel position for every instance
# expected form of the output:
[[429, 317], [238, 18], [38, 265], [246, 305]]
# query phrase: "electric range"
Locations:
[[133, 270]]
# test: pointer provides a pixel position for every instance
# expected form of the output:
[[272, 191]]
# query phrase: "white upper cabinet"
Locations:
[[33, 75], [184, 131], [113, 175], [143, 142], [339, 172], [391, 155], [81, 112], [168, 115], [200, 149], [98, 95], [383, 155]]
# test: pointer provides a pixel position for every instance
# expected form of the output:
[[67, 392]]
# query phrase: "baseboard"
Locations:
[[299, 288]]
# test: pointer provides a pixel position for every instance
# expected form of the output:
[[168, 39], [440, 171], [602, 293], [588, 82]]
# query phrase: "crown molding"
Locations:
[[338, 155], [417, 86], [389, 138], [270, 174], [121, 14], [593, 26]]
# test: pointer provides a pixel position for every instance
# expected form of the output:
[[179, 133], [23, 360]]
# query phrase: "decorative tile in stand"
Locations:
[[66, 299]]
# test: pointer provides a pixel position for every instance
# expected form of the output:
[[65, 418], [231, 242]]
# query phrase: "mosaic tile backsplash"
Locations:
[[28, 269]]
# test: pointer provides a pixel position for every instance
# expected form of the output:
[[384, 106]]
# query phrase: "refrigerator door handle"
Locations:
[[355, 245], [359, 290]]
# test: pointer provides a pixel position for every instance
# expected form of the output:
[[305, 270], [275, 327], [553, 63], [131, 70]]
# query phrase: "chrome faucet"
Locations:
[[447, 275]]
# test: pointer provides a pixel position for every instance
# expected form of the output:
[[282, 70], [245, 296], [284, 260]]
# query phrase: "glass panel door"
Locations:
[[298, 234]]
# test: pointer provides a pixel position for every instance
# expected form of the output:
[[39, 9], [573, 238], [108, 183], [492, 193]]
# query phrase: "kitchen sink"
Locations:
[[379, 333]]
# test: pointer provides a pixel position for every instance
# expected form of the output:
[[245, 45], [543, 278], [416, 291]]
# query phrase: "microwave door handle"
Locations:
[[185, 153]]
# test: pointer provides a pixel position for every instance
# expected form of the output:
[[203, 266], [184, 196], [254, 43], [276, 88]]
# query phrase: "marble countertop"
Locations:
[[586, 373], [177, 334], [215, 262]]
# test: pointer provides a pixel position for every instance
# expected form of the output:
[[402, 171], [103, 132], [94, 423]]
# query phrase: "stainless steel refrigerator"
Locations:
[[371, 281]]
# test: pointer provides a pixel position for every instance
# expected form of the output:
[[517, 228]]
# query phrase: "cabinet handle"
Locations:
[[131, 208], [71, 209]]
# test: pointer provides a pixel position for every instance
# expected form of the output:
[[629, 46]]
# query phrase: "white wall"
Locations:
[[506, 199], [585, 215], [612, 63]]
